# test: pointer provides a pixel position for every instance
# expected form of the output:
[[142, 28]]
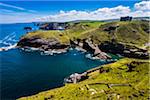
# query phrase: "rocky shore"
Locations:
[[50, 46], [13, 46], [96, 38], [96, 51], [53, 46]]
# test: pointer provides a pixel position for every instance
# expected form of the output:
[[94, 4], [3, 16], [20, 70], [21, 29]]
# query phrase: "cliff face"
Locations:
[[94, 37], [124, 49], [45, 44]]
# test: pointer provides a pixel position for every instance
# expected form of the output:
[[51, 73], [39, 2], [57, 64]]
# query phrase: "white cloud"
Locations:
[[5, 10], [32, 11], [140, 9], [11, 6], [16, 7], [144, 5], [17, 17], [99, 14]]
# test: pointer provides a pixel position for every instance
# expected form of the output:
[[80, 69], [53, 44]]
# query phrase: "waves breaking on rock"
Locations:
[[8, 42]]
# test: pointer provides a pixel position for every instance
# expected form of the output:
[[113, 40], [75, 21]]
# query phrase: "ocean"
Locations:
[[26, 73]]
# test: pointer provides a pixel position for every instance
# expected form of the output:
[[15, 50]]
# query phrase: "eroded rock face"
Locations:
[[87, 45], [90, 47], [41, 43], [124, 50]]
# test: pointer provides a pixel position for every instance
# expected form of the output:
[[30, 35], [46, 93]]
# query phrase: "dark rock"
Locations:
[[124, 50], [27, 28], [103, 70], [87, 47], [132, 65], [41, 43], [135, 95]]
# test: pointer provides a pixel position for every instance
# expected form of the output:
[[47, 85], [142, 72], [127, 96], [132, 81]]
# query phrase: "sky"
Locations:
[[61, 11]]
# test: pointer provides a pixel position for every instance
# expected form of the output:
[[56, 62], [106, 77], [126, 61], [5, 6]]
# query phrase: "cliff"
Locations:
[[128, 37]]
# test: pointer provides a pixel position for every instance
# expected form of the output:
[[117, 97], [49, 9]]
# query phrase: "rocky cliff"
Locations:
[[124, 38]]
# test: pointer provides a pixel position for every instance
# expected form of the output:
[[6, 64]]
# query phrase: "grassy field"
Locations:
[[123, 80]]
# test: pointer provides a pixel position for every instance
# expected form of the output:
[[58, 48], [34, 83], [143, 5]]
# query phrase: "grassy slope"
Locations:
[[128, 32], [96, 86], [74, 31]]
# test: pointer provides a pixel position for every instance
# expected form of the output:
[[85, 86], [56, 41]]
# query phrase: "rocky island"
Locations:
[[126, 78]]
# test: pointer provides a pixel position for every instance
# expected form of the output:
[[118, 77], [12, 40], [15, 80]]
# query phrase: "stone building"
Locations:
[[127, 18]]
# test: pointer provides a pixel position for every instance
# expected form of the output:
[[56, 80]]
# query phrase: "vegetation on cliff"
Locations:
[[124, 79], [134, 32], [125, 38]]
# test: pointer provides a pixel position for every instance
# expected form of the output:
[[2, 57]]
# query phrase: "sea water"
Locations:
[[26, 73]]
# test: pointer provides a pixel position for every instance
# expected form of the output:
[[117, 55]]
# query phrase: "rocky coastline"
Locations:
[[99, 40], [52, 46], [96, 51]]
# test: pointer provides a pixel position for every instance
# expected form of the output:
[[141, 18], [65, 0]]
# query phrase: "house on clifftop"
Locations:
[[127, 18]]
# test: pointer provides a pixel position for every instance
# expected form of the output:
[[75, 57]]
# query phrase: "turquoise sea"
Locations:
[[26, 73]]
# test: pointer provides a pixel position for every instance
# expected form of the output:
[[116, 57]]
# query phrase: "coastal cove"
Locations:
[[42, 59], [31, 72], [75, 50], [28, 72]]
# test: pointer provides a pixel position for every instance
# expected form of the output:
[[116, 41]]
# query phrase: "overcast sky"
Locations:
[[29, 11]]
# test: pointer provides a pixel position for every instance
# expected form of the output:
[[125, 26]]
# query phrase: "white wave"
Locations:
[[74, 54], [8, 40], [8, 36], [46, 53], [27, 50], [8, 47], [5, 38], [14, 40], [11, 38], [5, 43], [1, 41]]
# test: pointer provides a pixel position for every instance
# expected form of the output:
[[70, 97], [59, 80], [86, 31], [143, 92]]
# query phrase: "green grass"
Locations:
[[128, 32], [95, 87], [134, 32], [74, 31]]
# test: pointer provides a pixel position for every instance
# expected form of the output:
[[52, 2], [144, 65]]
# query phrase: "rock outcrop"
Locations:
[[88, 46], [44, 44], [124, 50], [74, 78]]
